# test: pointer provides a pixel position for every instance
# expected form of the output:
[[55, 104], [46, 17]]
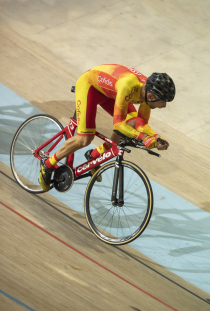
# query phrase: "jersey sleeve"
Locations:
[[142, 120], [126, 90]]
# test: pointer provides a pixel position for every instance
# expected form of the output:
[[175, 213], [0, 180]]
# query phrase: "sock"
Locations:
[[101, 149], [51, 162]]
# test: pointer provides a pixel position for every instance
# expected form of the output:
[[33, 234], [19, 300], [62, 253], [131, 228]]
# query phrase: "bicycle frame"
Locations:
[[81, 169]]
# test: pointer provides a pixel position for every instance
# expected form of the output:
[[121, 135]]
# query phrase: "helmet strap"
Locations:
[[146, 101], [150, 101]]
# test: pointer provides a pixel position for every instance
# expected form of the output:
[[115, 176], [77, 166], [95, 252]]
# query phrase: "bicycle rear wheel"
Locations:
[[119, 224], [34, 132]]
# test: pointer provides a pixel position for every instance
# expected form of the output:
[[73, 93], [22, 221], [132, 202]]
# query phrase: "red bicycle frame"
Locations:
[[69, 131]]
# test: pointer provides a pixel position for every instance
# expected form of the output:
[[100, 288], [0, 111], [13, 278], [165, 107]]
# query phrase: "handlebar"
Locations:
[[123, 148], [154, 153], [132, 142]]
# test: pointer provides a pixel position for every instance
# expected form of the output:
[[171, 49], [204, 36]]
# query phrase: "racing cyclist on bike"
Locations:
[[115, 88]]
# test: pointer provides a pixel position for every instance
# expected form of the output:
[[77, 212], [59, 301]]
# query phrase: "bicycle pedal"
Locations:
[[63, 178]]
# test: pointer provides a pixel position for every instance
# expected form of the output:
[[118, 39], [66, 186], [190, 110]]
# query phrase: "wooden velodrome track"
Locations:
[[49, 258]]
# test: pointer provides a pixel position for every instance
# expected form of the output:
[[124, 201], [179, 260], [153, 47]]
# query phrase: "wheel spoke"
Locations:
[[118, 224], [31, 135], [24, 144]]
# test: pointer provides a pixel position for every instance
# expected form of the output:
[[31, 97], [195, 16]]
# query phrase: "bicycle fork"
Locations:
[[118, 181]]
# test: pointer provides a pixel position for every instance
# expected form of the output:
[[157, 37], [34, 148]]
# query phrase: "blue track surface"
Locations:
[[177, 236]]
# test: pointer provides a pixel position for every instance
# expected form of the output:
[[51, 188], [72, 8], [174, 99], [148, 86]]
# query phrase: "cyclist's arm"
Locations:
[[127, 130], [142, 120], [142, 125], [125, 93]]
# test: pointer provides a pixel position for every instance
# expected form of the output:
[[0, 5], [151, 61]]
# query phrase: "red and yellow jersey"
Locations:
[[123, 84]]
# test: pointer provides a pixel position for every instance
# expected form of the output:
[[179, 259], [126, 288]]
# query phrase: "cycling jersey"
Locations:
[[116, 88]]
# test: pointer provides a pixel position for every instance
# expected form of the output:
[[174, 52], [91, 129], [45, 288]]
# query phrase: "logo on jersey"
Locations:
[[134, 71], [142, 78], [133, 90], [105, 80], [78, 111]]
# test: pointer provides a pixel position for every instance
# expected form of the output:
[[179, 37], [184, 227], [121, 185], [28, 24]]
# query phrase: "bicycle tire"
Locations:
[[95, 214], [39, 133]]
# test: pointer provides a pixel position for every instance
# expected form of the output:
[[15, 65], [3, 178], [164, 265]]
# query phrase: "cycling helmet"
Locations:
[[162, 86]]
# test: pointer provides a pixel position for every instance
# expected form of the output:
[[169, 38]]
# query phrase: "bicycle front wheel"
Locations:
[[119, 223], [34, 132]]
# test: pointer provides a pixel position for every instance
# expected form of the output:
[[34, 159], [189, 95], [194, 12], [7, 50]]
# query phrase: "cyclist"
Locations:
[[115, 88]]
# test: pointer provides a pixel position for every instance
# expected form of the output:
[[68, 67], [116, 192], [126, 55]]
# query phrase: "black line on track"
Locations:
[[122, 251], [58, 210], [207, 300]]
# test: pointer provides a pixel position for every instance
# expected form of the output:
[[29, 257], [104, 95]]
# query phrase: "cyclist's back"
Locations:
[[116, 79]]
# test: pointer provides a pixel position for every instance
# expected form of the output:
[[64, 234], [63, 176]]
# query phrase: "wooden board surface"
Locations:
[[37, 76], [49, 274], [77, 271]]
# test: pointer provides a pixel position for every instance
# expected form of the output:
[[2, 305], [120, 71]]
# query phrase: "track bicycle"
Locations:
[[117, 209]]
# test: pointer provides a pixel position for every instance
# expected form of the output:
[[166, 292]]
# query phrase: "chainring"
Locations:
[[63, 178]]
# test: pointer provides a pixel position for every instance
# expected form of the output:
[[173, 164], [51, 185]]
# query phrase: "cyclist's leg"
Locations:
[[85, 122], [86, 113], [108, 106]]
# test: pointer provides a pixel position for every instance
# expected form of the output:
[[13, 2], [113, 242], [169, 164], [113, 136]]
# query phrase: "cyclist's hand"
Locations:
[[162, 144], [150, 142], [155, 142]]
